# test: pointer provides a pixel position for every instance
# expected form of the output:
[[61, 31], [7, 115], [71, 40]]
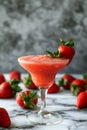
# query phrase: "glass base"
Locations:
[[48, 118]]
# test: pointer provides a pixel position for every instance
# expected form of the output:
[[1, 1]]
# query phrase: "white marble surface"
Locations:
[[63, 102]]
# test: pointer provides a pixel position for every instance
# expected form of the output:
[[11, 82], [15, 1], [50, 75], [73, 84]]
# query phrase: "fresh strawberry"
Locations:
[[66, 80], [53, 89], [4, 118], [66, 49], [27, 99], [29, 83], [5, 90], [82, 100], [2, 78], [77, 86], [9, 89], [15, 75]]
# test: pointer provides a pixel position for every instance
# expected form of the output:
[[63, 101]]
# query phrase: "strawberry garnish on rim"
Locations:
[[65, 50], [68, 43], [55, 54]]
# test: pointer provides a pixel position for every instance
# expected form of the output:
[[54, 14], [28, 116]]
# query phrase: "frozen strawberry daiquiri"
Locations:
[[43, 69]]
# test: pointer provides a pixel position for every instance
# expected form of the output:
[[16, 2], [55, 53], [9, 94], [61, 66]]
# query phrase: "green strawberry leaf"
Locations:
[[15, 86], [55, 54], [27, 80], [85, 86], [75, 89], [84, 76], [69, 43], [29, 99], [62, 82]]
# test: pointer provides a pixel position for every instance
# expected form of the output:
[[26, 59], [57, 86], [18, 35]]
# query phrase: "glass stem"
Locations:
[[43, 101]]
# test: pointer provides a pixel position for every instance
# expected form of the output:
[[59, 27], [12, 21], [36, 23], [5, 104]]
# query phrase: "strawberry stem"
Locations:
[[85, 76], [27, 80], [15, 86], [69, 43], [55, 54], [28, 99], [62, 82], [75, 89]]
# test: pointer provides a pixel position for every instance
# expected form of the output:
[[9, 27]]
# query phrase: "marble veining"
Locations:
[[63, 102]]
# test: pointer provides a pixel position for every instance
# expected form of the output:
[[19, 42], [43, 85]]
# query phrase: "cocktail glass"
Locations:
[[43, 69]]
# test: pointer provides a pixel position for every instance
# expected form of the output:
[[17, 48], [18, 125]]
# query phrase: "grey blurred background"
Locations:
[[34, 26]]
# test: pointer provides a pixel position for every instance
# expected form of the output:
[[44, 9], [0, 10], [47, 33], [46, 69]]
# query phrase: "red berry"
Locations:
[[77, 86], [6, 90], [53, 89], [66, 49], [2, 78], [81, 100], [15, 75], [4, 118], [9, 89], [27, 99], [66, 80], [29, 83]]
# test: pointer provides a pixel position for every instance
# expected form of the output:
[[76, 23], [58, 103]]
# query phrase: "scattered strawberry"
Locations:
[[77, 86], [4, 118], [53, 89], [2, 78], [27, 99], [29, 83], [9, 89], [66, 49], [66, 80], [82, 100], [15, 75]]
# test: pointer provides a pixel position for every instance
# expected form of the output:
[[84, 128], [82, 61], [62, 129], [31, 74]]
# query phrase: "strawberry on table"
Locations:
[[4, 118], [66, 49], [82, 100], [15, 74], [66, 80], [2, 78], [77, 86], [29, 83], [53, 89], [27, 99], [9, 89]]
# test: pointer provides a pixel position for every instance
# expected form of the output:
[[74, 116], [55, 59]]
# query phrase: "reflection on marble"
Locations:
[[63, 102], [32, 26]]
